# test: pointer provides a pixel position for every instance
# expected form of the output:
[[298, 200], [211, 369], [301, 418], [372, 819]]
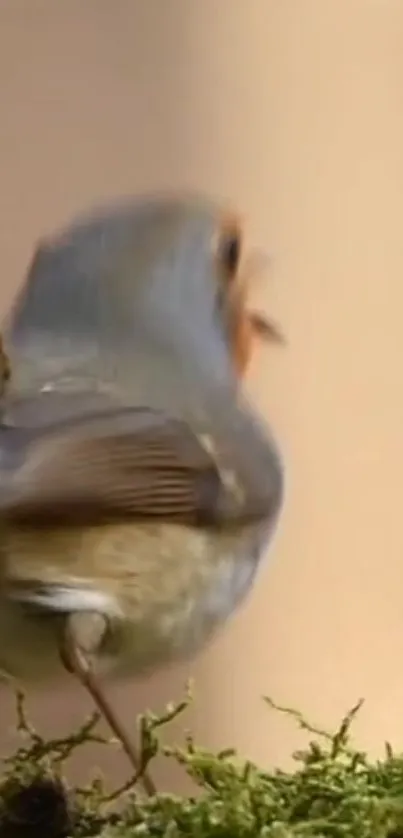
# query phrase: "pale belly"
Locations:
[[164, 589]]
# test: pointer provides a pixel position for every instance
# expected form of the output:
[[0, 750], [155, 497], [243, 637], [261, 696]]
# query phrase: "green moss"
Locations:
[[334, 790]]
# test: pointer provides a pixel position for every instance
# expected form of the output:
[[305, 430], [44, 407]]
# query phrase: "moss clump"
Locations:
[[334, 790]]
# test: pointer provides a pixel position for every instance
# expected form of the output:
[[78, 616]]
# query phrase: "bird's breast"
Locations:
[[176, 586], [164, 589]]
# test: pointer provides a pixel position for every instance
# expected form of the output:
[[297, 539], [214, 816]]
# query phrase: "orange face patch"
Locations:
[[246, 327], [242, 332]]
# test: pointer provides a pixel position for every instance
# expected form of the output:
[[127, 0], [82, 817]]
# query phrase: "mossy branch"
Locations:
[[334, 790]]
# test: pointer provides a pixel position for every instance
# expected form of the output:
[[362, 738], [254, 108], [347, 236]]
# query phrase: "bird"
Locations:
[[139, 487]]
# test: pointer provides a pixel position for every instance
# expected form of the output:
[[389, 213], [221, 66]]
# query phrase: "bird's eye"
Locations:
[[229, 254]]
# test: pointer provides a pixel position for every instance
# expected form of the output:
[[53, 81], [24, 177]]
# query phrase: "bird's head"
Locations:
[[156, 277]]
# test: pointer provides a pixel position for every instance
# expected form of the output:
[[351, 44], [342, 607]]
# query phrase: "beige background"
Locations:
[[294, 111]]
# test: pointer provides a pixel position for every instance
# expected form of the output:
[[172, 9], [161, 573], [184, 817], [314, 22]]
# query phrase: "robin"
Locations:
[[138, 489]]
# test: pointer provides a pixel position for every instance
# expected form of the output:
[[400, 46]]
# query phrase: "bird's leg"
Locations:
[[5, 375], [76, 662]]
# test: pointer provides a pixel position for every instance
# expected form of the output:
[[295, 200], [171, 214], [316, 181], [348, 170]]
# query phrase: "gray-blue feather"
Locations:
[[120, 309], [130, 286]]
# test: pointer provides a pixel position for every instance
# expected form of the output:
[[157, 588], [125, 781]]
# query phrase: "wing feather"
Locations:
[[84, 475]]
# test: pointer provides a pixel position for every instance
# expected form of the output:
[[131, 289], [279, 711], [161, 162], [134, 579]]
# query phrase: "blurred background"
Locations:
[[293, 112]]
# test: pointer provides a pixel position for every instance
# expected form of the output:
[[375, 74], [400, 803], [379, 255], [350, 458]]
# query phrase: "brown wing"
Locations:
[[77, 478]]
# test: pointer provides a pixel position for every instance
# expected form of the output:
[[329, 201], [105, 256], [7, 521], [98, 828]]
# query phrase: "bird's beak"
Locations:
[[252, 327], [266, 329]]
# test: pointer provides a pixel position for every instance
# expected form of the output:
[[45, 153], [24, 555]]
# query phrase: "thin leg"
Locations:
[[76, 662]]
